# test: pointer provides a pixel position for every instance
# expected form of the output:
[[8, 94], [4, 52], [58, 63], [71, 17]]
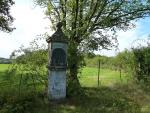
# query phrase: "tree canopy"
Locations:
[[83, 18], [5, 18], [92, 24]]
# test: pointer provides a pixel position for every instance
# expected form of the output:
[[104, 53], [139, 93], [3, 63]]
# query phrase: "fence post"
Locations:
[[99, 66]]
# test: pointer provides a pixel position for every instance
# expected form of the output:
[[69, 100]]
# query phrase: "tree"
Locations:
[[5, 18], [88, 23]]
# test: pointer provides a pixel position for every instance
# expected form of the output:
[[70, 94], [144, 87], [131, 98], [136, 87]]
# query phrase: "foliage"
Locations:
[[25, 78], [5, 18], [105, 61], [142, 61], [13, 99], [91, 24], [13, 104], [134, 63], [125, 61], [28, 69]]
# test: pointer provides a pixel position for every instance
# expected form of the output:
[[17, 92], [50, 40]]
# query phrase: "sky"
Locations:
[[30, 22]]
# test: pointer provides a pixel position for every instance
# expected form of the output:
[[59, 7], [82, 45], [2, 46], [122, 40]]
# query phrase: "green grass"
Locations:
[[3, 67], [114, 95], [97, 100], [89, 77]]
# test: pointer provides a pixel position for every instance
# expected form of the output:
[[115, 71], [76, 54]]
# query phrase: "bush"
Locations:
[[142, 64]]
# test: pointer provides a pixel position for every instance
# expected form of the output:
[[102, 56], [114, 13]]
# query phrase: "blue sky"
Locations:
[[144, 27], [30, 21]]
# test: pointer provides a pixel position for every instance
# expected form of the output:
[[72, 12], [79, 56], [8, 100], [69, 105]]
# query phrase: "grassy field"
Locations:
[[114, 95], [3, 67], [89, 77]]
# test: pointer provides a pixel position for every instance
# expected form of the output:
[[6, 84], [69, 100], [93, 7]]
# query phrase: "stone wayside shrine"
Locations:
[[57, 47]]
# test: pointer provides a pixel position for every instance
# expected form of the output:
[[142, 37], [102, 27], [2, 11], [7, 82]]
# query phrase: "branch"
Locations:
[[74, 24], [63, 10], [102, 9], [55, 9]]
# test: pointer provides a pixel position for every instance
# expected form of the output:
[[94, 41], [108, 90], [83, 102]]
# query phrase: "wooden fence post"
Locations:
[[99, 66]]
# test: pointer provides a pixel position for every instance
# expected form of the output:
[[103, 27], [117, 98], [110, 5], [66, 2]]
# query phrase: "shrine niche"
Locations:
[[58, 57]]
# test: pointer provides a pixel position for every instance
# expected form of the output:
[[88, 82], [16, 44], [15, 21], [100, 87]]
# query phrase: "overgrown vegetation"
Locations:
[[142, 65], [113, 96]]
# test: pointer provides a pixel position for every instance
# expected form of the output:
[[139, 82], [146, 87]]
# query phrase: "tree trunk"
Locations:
[[73, 87], [73, 63]]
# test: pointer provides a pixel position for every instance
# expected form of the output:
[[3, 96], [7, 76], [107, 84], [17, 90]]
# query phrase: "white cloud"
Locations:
[[29, 22], [127, 38]]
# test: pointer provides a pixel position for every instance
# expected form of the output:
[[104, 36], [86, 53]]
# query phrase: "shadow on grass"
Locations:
[[2, 74], [96, 100]]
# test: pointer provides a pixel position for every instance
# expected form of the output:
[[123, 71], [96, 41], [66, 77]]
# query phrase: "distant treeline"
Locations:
[[92, 60], [5, 61], [124, 60]]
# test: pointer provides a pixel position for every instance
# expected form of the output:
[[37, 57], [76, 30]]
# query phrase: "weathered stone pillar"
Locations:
[[57, 45]]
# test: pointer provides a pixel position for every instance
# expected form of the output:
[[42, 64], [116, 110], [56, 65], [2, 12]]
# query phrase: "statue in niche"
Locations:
[[58, 57]]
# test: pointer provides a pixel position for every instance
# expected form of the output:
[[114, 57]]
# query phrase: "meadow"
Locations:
[[107, 77], [113, 95], [3, 67]]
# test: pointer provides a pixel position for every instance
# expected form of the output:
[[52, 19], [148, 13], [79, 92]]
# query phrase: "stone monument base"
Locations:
[[57, 85]]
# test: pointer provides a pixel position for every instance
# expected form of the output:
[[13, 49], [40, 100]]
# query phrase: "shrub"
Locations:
[[142, 64]]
